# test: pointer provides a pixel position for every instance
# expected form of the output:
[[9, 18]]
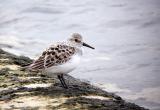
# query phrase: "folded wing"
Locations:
[[55, 55]]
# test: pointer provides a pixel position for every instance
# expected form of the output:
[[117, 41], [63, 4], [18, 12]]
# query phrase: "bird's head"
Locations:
[[77, 40]]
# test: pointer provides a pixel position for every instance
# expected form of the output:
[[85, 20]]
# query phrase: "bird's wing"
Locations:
[[53, 56]]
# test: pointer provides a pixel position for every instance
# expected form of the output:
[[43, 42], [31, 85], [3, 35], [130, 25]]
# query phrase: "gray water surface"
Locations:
[[125, 34]]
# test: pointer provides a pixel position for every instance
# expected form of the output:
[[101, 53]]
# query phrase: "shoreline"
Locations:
[[20, 89]]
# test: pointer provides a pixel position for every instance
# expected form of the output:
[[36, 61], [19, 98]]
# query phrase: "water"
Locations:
[[125, 34]]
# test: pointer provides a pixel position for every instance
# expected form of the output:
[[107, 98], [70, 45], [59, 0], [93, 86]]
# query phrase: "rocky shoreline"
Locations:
[[20, 89]]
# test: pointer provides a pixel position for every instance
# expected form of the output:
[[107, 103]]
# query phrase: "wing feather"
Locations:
[[53, 56]]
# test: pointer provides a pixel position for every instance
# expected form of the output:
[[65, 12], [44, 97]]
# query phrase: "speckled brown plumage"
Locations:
[[55, 55]]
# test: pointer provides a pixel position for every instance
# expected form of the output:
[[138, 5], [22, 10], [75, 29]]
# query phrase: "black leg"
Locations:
[[59, 77], [64, 81]]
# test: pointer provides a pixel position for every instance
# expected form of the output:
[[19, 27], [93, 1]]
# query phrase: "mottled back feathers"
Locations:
[[55, 55]]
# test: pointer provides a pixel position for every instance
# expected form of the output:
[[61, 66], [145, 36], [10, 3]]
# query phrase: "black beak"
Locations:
[[84, 44]]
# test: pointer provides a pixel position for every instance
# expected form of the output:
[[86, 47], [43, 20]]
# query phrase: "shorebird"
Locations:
[[61, 58]]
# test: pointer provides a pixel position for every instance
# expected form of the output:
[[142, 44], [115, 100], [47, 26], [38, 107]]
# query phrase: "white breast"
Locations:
[[66, 67]]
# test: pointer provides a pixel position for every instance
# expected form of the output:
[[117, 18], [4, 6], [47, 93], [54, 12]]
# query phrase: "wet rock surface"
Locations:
[[20, 89]]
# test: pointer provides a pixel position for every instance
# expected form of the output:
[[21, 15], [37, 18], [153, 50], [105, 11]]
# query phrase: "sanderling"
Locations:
[[61, 58]]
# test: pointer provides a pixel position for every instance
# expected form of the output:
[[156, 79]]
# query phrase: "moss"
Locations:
[[21, 60], [4, 71], [13, 82], [4, 85]]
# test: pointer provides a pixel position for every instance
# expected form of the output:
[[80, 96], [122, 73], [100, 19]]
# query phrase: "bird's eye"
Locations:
[[76, 40]]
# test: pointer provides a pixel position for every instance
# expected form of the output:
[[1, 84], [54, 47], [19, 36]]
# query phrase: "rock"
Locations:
[[20, 89], [4, 71], [22, 60]]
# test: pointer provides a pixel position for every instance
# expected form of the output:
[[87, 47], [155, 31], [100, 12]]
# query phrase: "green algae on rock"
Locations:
[[20, 89]]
